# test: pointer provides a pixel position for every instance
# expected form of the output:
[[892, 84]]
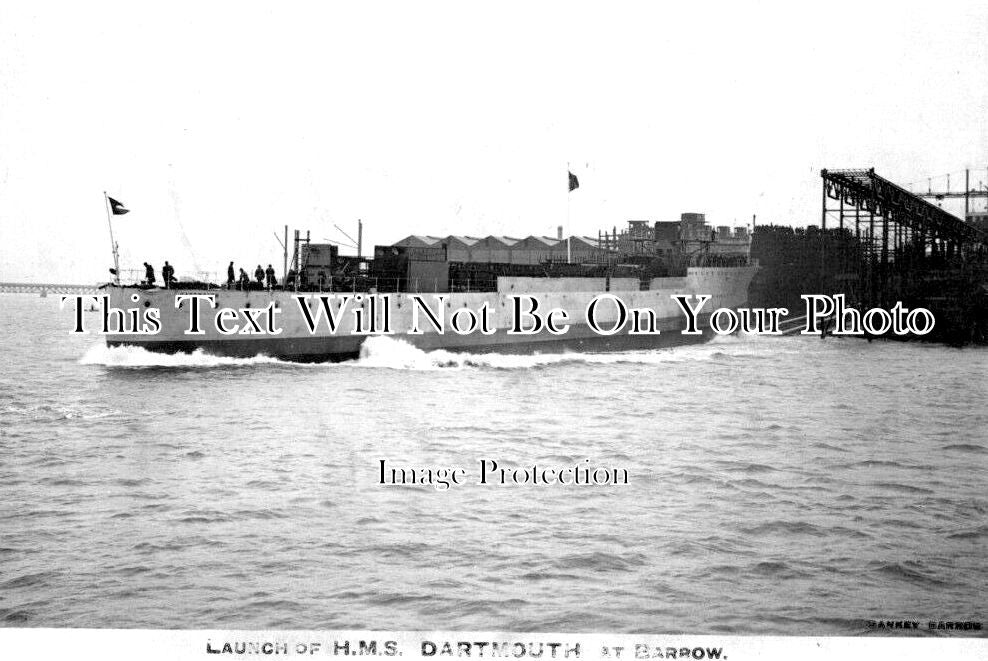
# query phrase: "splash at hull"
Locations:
[[314, 350]]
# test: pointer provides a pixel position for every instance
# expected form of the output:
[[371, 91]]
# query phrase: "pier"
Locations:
[[45, 288]]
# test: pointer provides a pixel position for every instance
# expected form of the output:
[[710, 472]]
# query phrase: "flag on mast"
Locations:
[[574, 183], [118, 208]]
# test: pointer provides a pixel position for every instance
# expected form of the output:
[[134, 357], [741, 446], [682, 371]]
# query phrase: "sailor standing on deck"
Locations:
[[259, 276], [244, 283], [149, 274], [269, 273], [229, 276], [167, 274]]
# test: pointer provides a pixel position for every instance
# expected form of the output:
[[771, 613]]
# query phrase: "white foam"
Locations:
[[132, 356], [387, 352], [741, 337]]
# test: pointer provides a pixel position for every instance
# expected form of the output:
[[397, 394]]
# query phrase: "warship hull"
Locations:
[[727, 287]]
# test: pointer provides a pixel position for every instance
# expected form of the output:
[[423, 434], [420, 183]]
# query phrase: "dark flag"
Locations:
[[119, 209], [574, 183]]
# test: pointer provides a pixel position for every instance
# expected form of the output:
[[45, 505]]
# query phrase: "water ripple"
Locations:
[[765, 495]]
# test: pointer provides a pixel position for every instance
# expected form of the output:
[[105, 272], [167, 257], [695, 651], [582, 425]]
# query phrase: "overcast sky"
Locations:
[[217, 124]]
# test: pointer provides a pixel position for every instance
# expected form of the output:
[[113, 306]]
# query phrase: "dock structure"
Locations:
[[44, 288], [895, 234]]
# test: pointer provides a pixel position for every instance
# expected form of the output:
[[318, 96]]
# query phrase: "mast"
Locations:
[[967, 193], [569, 249], [113, 244]]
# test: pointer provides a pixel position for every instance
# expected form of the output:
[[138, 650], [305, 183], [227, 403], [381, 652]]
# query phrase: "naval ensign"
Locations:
[[491, 472]]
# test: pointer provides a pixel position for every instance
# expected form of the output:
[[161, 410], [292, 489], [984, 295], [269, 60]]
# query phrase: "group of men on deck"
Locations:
[[167, 274], [265, 278]]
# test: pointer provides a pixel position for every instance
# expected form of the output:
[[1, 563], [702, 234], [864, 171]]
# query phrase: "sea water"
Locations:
[[775, 485]]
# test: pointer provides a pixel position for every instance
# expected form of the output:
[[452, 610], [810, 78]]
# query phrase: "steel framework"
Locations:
[[902, 214], [895, 231]]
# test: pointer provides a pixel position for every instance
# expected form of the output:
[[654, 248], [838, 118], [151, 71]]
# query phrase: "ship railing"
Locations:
[[402, 285], [353, 284], [385, 285], [182, 279], [473, 285], [131, 275]]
